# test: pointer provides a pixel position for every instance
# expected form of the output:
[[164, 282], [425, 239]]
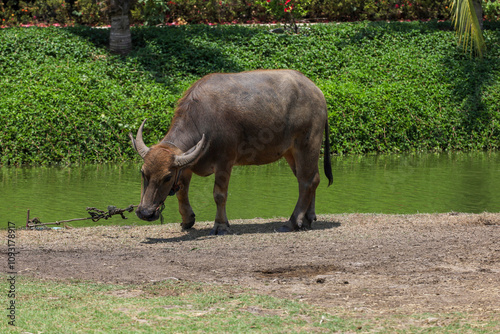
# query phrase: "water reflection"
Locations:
[[420, 183], [58, 193], [369, 184]]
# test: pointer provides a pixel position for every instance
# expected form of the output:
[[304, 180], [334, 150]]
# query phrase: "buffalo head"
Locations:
[[160, 172]]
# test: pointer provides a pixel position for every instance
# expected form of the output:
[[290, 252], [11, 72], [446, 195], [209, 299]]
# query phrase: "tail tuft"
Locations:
[[327, 163]]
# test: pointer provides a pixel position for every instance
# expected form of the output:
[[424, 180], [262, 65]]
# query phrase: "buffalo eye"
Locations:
[[167, 178], [145, 179]]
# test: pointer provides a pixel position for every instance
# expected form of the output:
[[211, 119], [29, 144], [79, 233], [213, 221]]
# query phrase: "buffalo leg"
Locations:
[[306, 170], [221, 225], [185, 209], [291, 162], [311, 213]]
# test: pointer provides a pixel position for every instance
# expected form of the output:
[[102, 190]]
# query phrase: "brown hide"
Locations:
[[247, 118]]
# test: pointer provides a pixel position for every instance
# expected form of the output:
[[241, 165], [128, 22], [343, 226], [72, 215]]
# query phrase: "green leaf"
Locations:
[[467, 25]]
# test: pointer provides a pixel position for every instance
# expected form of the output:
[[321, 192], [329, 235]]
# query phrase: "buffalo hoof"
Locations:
[[305, 227], [312, 218], [218, 232], [190, 222], [187, 226]]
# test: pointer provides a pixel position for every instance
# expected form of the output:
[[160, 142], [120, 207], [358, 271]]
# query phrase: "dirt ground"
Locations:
[[360, 263]]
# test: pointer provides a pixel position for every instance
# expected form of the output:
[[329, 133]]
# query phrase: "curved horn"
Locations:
[[191, 155], [138, 143]]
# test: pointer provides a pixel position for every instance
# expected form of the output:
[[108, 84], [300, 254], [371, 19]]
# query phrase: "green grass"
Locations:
[[390, 87], [187, 307], [167, 307]]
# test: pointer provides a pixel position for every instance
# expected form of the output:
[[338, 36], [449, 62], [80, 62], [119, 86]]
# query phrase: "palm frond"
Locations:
[[467, 25]]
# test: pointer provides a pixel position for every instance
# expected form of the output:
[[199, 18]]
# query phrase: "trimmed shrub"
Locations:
[[153, 12], [390, 87]]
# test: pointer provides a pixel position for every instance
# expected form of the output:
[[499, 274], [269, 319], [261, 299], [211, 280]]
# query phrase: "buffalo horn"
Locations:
[[138, 143], [191, 155]]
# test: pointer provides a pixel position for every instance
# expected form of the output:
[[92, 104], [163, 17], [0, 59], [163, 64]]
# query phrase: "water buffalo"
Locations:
[[248, 118]]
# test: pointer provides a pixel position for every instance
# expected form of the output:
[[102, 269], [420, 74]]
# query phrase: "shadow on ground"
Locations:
[[238, 229]]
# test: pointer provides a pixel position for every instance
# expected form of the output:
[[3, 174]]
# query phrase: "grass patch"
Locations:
[[186, 307], [171, 306]]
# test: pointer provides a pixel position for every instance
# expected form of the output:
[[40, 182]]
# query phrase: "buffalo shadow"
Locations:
[[240, 229]]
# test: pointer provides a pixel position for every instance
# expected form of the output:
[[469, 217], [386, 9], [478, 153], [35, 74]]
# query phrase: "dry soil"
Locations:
[[365, 264]]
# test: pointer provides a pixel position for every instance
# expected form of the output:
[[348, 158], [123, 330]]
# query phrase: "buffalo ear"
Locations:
[[191, 155], [138, 143]]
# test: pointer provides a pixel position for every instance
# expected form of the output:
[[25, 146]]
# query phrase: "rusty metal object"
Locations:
[[95, 215]]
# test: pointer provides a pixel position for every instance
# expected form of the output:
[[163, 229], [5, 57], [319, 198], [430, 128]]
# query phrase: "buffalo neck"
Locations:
[[182, 139]]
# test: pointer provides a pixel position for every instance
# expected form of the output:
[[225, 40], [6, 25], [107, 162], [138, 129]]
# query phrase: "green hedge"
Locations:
[[152, 12], [390, 87]]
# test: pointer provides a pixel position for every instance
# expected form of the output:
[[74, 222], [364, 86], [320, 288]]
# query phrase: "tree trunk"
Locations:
[[479, 12], [120, 40]]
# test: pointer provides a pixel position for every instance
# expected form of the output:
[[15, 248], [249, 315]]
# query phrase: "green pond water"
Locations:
[[402, 184]]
